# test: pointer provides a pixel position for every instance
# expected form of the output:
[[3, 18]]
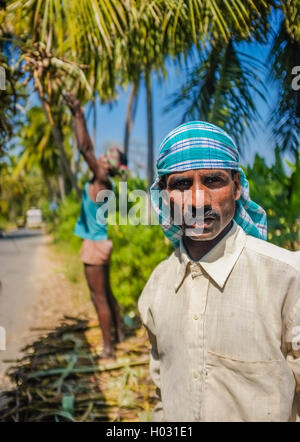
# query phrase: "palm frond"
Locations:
[[104, 19], [198, 20], [221, 90], [285, 117]]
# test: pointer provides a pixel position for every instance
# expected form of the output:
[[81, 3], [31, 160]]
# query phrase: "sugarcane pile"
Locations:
[[59, 378]]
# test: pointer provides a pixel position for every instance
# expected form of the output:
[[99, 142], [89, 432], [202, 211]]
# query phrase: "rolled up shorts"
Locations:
[[96, 252]]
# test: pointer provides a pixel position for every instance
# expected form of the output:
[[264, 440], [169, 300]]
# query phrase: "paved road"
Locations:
[[17, 263]]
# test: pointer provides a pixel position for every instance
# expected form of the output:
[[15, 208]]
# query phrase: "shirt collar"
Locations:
[[218, 262]]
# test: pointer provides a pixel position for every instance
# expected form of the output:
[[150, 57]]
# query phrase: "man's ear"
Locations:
[[237, 185]]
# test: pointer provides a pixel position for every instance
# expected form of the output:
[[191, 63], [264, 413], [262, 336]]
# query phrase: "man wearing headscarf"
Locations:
[[223, 311]]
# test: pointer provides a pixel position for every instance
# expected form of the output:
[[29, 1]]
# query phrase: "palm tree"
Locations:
[[39, 148], [130, 115], [163, 28], [53, 38], [220, 87], [111, 42], [220, 90], [140, 52], [12, 94], [285, 55], [67, 24], [285, 117]]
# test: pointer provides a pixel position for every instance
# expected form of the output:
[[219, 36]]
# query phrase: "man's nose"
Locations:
[[200, 195]]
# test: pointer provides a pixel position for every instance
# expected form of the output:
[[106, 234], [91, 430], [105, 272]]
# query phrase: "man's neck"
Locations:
[[197, 249]]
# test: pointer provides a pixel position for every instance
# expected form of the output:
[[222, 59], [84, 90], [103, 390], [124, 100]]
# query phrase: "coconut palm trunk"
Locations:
[[94, 121], [61, 181], [56, 135], [149, 127], [130, 115], [65, 162]]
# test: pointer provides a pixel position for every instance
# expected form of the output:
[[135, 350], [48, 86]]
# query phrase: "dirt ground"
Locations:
[[121, 392], [55, 296], [51, 297]]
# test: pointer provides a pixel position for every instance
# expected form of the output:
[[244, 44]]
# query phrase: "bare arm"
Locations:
[[99, 168]]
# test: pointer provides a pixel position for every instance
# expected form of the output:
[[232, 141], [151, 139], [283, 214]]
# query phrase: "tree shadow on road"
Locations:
[[20, 234], [59, 378]]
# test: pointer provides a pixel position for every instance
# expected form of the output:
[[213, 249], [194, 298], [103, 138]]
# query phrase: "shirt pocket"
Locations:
[[230, 332], [235, 390]]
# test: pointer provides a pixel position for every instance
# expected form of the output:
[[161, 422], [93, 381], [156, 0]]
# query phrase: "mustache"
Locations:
[[191, 218], [207, 212], [191, 213], [211, 213]]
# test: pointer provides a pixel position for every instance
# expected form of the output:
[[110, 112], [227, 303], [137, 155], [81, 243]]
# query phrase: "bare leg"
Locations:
[[114, 307], [96, 276]]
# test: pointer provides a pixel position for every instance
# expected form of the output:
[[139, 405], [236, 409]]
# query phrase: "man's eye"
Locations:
[[183, 182], [212, 180], [180, 183]]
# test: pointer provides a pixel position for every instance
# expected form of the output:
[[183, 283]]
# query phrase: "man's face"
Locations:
[[219, 193]]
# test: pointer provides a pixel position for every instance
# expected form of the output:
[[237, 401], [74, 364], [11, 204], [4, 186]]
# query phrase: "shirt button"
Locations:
[[196, 317], [195, 374]]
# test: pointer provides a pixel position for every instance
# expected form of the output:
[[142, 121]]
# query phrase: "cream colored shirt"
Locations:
[[225, 332]]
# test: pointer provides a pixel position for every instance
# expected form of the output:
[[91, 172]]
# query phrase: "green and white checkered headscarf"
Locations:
[[201, 145]]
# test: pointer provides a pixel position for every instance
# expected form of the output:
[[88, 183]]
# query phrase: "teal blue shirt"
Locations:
[[87, 226]]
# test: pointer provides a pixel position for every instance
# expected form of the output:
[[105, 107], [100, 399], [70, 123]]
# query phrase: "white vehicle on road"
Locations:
[[33, 218]]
